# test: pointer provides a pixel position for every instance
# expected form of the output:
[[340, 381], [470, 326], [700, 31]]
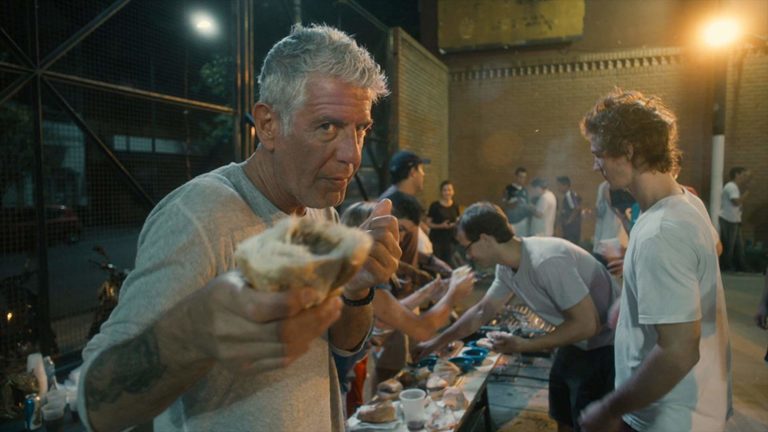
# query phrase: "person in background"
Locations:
[[570, 211], [672, 346], [516, 203], [191, 344], [396, 314], [406, 171], [441, 218], [731, 206], [559, 281], [611, 238], [545, 209]]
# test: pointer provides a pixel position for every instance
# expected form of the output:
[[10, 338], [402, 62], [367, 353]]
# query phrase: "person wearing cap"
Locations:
[[406, 171]]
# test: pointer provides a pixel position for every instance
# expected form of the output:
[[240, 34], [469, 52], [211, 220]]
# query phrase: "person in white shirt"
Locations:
[[734, 194], [609, 231], [545, 213], [672, 354]]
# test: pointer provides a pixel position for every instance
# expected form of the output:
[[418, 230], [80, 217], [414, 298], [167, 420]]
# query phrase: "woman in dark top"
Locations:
[[441, 218]]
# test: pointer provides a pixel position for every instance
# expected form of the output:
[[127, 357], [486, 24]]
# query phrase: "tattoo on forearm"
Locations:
[[133, 367]]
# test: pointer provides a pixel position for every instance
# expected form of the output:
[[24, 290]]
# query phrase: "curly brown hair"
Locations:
[[628, 118]]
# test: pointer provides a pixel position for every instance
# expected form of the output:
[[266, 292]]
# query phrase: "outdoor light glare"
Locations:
[[204, 24], [721, 32]]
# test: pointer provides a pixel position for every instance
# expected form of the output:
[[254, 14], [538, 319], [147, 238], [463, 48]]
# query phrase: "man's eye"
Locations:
[[328, 127]]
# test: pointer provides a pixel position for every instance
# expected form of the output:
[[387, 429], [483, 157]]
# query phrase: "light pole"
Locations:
[[719, 35]]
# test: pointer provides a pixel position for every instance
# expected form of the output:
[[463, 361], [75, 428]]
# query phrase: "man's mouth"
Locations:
[[339, 182]]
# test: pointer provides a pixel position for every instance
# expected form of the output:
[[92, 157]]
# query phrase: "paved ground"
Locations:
[[520, 404]]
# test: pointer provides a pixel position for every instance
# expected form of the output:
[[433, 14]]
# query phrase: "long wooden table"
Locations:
[[472, 383]]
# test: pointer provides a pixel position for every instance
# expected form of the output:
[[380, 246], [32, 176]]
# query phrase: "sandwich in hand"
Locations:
[[300, 252]]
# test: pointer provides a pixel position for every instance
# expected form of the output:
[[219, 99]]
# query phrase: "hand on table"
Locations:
[[425, 348], [506, 343]]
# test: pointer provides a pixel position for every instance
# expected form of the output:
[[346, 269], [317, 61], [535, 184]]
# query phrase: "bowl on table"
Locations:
[[476, 354], [465, 363], [427, 362]]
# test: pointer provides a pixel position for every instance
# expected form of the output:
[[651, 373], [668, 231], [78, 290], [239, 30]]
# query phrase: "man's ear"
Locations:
[[630, 152], [267, 125], [412, 172], [485, 237]]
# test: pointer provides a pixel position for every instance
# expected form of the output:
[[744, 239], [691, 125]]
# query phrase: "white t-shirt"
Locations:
[[554, 275], [728, 211], [671, 275], [547, 206], [608, 226]]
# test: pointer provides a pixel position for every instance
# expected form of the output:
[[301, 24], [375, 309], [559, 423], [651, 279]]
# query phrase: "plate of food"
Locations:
[[382, 415]]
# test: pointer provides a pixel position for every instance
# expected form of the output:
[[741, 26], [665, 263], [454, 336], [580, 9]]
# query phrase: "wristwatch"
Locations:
[[363, 301]]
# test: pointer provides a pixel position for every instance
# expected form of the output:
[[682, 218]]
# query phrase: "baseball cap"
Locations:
[[405, 160]]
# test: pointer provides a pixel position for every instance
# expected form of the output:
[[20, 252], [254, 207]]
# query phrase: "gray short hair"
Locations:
[[317, 49]]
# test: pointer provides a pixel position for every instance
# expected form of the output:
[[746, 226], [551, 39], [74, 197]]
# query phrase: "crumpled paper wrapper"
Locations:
[[299, 252]]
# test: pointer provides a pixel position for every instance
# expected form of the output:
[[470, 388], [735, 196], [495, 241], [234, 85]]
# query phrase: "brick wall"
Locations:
[[420, 111], [746, 140], [502, 117]]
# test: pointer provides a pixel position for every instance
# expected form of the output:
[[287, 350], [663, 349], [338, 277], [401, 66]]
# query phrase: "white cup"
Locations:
[[414, 403], [52, 412]]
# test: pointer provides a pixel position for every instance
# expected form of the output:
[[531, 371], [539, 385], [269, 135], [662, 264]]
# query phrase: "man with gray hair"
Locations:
[[190, 346]]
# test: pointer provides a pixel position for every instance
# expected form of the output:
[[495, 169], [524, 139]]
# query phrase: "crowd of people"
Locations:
[[192, 348]]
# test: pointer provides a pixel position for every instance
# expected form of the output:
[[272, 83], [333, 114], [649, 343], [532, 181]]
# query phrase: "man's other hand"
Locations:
[[385, 253]]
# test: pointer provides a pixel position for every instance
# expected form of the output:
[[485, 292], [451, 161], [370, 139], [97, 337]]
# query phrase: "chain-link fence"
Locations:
[[105, 107]]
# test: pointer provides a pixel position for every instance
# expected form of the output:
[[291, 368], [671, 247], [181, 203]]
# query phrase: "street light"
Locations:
[[719, 35], [204, 24], [721, 32]]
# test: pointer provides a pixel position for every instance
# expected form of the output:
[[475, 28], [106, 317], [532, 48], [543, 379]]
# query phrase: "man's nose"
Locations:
[[350, 147]]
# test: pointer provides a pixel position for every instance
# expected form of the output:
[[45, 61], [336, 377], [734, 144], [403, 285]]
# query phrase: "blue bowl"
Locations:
[[476, 354], [427, 362], [465, 363]]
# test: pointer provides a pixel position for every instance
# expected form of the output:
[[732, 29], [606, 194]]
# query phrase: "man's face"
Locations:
[[417, 176], [474, 250], [562, 188], [743, 178], [617, 171], [323, 150], [522, 178]]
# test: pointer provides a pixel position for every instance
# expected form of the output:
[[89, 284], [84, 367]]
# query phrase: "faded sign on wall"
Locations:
[[485, 24]]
